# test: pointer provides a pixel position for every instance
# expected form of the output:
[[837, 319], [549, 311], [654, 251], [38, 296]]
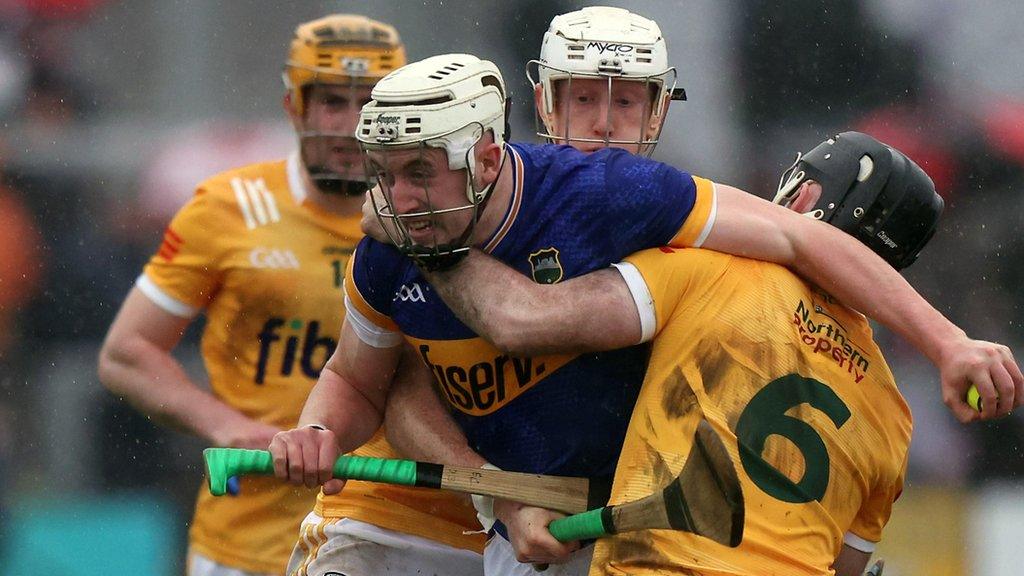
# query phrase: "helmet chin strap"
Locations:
[[445, 256]]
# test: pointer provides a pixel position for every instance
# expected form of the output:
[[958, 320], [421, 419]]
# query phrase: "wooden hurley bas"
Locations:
[[705, 499]]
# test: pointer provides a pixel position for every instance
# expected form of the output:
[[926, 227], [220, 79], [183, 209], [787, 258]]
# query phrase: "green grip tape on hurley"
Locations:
[[223, 463], [583, 526], [389, 471]]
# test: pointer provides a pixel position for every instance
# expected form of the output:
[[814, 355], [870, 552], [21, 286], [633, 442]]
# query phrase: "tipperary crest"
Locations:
[[546, 265]]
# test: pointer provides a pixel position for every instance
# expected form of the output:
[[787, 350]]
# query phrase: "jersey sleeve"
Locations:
[[656, 203], [186, 270], [367, 299], [866, 530], [701, 218], [664, 280]]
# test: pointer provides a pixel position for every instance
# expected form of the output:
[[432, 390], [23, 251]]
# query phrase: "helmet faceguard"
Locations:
[[404, 228], [613, 46], [870, 191], [345, 55], [447, 103], [330, 153]]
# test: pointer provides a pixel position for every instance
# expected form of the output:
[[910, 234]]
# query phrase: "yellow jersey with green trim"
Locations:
[[796, 387], [266, 265]]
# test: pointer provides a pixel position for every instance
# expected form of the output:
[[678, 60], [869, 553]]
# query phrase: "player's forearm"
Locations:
[[152, 381], [335, 404], [862, 280], [851, 562], [751, 227], [484, 296], [419, 426], [518, 316]]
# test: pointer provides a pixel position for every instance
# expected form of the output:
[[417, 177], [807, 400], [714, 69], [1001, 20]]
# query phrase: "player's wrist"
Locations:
[[938, 341], [950, 342]]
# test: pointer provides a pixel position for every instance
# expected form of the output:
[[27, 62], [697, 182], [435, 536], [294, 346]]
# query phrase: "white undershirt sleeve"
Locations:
[[164, 300], [858, 543], [368, 332], [641, 297]]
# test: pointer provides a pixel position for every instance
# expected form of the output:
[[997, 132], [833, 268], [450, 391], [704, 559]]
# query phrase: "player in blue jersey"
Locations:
[[434, 135]]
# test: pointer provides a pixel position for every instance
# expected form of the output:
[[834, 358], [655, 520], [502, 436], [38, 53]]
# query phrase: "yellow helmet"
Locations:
[[341, 49]]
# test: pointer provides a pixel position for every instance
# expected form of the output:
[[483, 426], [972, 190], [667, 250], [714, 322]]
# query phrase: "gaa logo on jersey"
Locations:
[[273, 258], [296, 343], [408, 293], [546, 266]]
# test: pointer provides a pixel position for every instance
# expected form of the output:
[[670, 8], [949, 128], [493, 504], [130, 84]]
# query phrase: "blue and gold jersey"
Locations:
[[570, 214]]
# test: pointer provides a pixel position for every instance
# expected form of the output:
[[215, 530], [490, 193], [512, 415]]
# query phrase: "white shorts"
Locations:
[[199, 565], [347, 547], [500, 560]]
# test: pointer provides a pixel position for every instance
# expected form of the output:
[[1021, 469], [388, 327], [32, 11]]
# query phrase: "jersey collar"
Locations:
[[513, 206]]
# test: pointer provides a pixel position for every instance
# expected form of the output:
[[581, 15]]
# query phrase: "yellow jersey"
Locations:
[[267, 266], [796, 387]]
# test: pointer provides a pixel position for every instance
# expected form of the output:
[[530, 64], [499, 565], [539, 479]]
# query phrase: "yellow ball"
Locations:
[[973, 398]]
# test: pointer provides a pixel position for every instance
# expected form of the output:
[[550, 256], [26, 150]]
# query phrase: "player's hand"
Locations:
[[244, 433], [370, 222], [991, 368], [528, 532], [306, 456]]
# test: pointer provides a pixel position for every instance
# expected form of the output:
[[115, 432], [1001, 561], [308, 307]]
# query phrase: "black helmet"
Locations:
[[870, 191]]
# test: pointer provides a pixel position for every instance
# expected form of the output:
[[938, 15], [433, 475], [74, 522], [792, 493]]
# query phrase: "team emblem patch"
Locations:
[[547, 266]]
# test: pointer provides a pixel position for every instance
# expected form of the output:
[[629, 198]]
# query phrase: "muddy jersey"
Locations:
[[570, 213], [266, 266], [796, 387]]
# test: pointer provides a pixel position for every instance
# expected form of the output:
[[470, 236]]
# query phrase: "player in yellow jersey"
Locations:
[[797, 388], [262, 251], [789, 377]]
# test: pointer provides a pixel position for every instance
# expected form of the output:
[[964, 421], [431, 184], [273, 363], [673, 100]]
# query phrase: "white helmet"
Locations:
[[605, 43], [448, 101], [444, 101]]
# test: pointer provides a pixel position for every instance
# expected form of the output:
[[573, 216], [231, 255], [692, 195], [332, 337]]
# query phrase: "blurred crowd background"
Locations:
[[112, 111]]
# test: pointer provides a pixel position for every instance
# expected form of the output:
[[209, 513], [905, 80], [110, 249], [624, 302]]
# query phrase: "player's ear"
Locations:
[[488, 158], [806, 197], [541, 107], [656, 120]]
